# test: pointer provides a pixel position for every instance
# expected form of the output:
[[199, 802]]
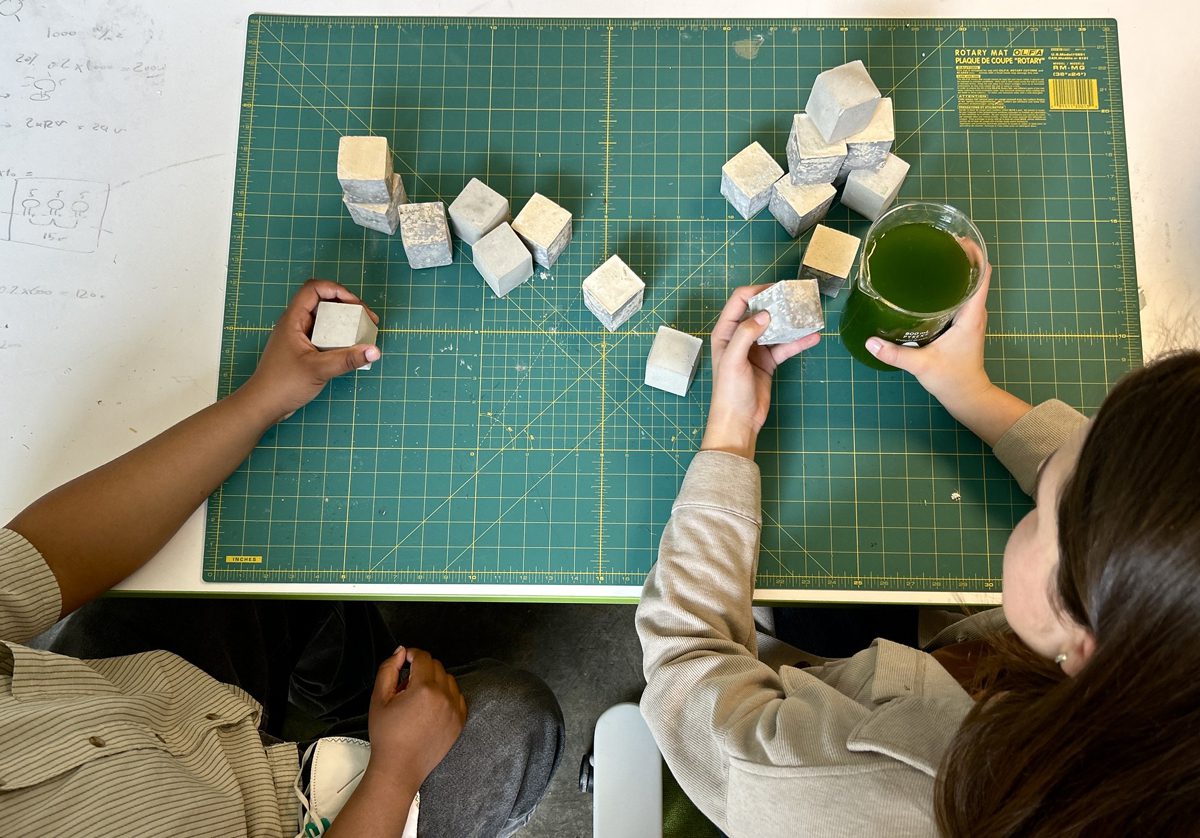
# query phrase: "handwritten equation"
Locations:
[[57, 213]]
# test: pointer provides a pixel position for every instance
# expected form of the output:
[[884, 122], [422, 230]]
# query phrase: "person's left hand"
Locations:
[[742, 371], [292, 371]]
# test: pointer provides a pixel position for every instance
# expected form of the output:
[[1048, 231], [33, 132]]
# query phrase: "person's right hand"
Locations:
[[951, 367], [413, 724]]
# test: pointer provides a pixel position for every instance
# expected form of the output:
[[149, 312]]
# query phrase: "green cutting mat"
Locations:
[[510, 442]]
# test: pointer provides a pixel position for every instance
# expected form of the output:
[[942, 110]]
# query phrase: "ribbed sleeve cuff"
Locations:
[[724, 481], [1034, 437]]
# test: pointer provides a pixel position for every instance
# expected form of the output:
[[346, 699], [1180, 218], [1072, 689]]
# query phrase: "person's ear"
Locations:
[[1081, 647]]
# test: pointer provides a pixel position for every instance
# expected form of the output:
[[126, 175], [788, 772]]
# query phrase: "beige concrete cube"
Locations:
[[545, 227], [364, 169], [341, 325]]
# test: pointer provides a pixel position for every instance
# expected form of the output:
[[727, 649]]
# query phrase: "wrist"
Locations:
[[395, 784], [257, 409], [731, 435]]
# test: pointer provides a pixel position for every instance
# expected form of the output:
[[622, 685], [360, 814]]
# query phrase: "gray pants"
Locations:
[[322, 657]]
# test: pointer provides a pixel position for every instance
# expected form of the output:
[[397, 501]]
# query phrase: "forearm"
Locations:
[[378, 808], [100, 527], [986, 410]]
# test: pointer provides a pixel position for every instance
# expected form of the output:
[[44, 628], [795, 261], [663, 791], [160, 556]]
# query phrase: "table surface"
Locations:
[[112, 334]]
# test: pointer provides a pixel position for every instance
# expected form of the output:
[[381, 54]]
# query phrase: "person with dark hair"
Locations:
[[1072, 710], [164, 717]]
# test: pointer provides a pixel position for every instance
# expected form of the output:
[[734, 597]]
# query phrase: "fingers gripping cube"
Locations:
[[381, 217], [842, 101], [871, 191], [545, 227], [747, 178], [613, 292], [477, 211], [799, 207], [425, 234], [673, 360], [340, 325], [795, 307], [829, 259], [364, 169], [810, 158], [502, 259]]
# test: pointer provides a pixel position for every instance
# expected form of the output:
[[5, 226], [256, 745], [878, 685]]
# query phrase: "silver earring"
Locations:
[[1061, 659]]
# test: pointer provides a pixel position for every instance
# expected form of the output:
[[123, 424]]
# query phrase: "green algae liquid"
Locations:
[[916, 267]]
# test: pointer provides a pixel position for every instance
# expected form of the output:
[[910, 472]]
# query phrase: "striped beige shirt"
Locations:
[[143, 745]]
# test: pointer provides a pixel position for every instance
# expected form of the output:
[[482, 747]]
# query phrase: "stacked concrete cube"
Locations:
[[477, 211], [613, 292], [799, 206], [502, 259], [371, 191], [842, 101], [425, 234], [673, 360], [868, 149], [829, 259], [545, 227], [811, 158], [843, 139], [364, 169], [871, 191], [795, 307], [747, 178], [341, 325]]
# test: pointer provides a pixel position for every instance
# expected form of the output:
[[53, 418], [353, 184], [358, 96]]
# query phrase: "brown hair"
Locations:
[[1114, 750]]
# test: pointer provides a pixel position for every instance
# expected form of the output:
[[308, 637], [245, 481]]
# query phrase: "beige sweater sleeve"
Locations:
[[696, 626], [1034, 437]]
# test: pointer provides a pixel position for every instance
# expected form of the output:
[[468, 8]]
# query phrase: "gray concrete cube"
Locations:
[[747, 178], [871, 191], [810, 158], [502, 259], [364, 168], [477, 211], [868, 149], [673, 360], [829, 259], [799, 207], [425, 234], [795, 307], [613, 292], [381, 217], [339, 325], [545, 227], [842, 101]]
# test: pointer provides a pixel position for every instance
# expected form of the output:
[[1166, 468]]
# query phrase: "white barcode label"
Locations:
[[1074, 95]]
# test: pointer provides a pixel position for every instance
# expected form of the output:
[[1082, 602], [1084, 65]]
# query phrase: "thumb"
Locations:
[[901, 357], [335, 362], [747, 332], [387, 679]]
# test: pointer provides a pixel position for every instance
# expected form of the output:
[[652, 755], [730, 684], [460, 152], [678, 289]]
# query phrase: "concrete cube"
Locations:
[[382, 217], [799, 207], [673, 360], [545, 227], [810, 158], [613, 292], [842, 101], [425, 234], [477, 211], [364, 169], [747, 178], [502, 259], [339, 325], [795, 306], [868, 149], [871, 191], [829, 259]]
